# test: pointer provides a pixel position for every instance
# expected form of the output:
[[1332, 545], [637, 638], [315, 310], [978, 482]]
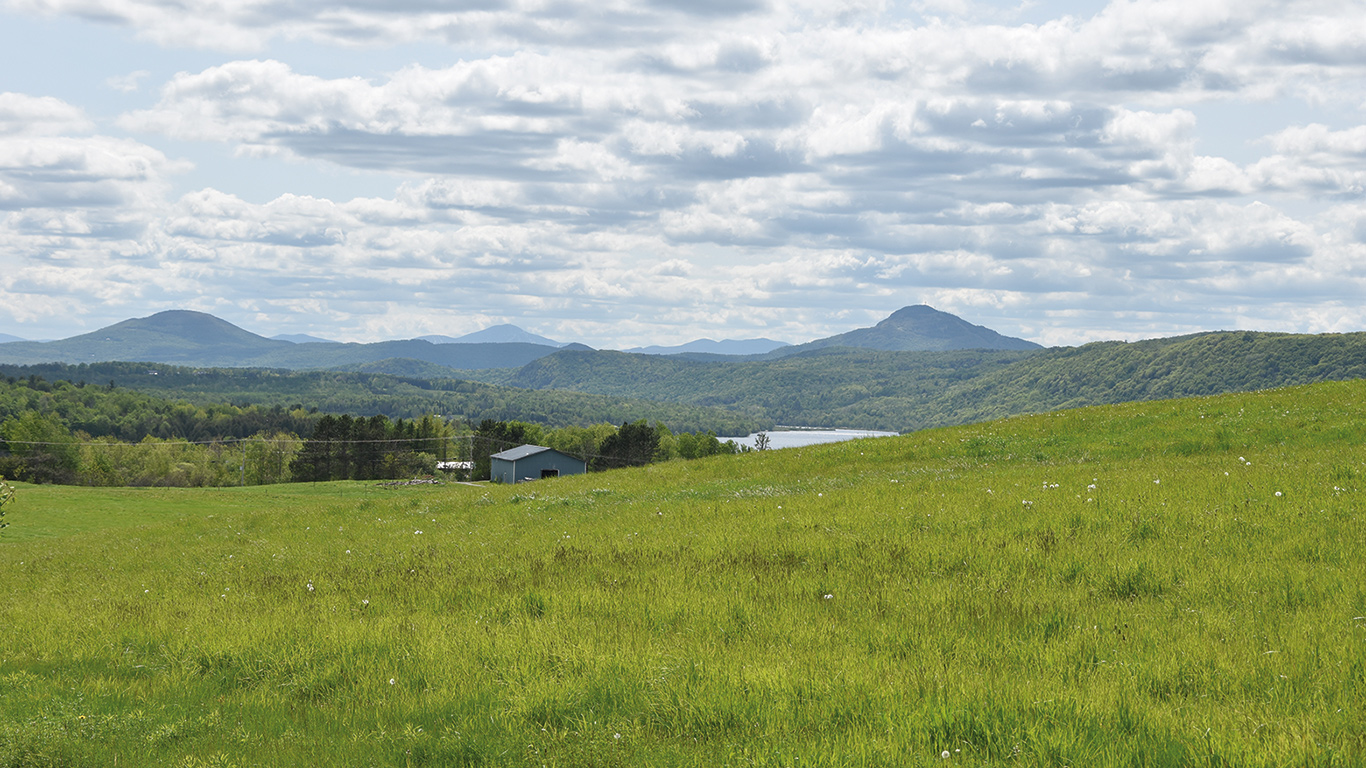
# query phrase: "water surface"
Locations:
[[795, 438]]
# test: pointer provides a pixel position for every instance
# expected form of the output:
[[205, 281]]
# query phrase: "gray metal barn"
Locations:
[[533, 462]]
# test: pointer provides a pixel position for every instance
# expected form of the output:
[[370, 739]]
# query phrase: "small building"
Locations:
[[460, 470], [533, 462]]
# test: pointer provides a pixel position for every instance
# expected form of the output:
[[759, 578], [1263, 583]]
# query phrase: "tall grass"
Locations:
[[1175, 583]]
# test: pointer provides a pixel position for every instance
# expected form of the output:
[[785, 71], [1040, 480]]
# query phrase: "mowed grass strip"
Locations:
[[1169, 583]]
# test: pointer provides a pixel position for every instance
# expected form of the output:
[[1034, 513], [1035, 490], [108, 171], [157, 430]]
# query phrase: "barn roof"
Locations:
[[521, 452]]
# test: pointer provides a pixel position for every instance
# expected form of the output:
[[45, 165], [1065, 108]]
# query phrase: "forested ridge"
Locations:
[[120, 413], [904, 391], [1184, 366], [370, 394]]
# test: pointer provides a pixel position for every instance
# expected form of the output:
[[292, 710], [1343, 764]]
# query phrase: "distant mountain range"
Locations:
[[302, 338], [917, 368], [497, 334], [183, 337], [709, 347], [5, 338]]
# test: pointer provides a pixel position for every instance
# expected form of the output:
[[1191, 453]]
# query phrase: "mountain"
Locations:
[[6, 338], [174, 336], [917, 329], [709, 347], [183, 337], [301, 338], [496, 334]]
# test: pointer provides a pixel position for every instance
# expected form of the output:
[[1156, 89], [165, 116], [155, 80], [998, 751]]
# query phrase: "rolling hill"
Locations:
[[1175, 583], [710, 347], [864, 388]]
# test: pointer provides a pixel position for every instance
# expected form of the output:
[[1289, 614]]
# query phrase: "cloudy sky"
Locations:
[[624, 172]]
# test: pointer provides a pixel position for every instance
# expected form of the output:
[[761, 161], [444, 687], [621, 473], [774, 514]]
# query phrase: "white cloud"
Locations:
[[604, 167], [24, 115], [128, 83]]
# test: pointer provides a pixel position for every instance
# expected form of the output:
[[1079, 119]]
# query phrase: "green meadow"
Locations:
[[1175, 583]]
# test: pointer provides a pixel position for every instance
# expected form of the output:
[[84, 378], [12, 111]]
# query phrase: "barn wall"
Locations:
[[531, 466]]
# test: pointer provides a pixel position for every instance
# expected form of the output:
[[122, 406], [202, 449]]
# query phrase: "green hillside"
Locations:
[[1167, 583], [368, 394], [1116, 372], [912, 390], [841, 386]]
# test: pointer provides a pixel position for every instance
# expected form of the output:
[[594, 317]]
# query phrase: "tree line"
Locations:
[[82, 434], [602, 446]]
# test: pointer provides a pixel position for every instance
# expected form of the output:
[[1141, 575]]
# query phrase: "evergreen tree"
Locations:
[[633, 445]]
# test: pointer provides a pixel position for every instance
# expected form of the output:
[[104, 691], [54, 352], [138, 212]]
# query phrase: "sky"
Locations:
[[623, 173]]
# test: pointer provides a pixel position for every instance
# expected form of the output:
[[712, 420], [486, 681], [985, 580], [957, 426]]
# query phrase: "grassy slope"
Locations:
[[865, 603]]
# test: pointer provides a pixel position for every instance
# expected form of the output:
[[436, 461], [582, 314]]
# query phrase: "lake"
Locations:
[[795, 438]]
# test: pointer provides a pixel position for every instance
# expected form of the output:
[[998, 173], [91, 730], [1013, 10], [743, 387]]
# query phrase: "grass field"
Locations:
[[1173, 583]]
